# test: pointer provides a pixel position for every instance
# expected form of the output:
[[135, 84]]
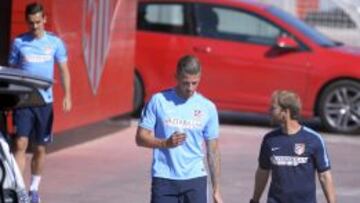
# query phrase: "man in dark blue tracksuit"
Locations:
[[292, 153]]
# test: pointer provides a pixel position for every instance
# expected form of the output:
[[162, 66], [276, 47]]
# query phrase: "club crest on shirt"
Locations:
[[299, 148], [47, 50], [198, 114]]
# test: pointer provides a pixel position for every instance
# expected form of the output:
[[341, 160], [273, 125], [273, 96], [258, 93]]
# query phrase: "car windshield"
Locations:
[[307, 30]]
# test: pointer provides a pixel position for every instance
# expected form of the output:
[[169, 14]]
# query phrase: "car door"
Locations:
[[163, 37], [241, 65]]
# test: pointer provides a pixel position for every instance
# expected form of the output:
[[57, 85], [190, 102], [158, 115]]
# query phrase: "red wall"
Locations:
[[72, 22]]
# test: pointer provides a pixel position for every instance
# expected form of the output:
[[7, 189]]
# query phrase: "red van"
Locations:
[[100, 39]]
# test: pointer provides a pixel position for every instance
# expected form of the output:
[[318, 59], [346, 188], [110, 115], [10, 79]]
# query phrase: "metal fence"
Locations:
[[338, 19]]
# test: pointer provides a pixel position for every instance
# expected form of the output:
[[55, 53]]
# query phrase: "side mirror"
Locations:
[[286, 42]]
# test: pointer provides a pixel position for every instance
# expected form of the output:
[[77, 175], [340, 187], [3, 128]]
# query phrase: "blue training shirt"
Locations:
[[166, 113], [293, 161], [37, 56]]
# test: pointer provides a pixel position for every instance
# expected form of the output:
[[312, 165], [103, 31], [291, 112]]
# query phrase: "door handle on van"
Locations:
[[203, 49]]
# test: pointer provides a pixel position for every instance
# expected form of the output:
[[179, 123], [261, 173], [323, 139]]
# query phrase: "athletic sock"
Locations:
[[35, 182]]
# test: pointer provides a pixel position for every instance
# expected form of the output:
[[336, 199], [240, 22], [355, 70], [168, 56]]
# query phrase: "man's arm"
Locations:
[[214, 163], [327, 185], [261, 178], [14, 56], [146, 138], [65, 80]]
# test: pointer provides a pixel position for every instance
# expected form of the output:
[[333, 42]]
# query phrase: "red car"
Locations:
[[247, 51]]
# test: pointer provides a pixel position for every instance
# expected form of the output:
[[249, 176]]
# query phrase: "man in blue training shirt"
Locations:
[[35, 52], [292, 153], [175, 123]]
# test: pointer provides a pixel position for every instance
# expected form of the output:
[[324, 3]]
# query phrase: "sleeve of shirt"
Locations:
[[264, 156], [14, 56], [322, 161], [211, 130], [60, 53], [148, 115]]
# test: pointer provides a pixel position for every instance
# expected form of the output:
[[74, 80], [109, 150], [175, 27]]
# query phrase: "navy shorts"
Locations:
[[179, 191], [35, 123]]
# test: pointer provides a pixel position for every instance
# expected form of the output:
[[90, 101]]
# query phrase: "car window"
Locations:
[[159, 17], [231, 24]]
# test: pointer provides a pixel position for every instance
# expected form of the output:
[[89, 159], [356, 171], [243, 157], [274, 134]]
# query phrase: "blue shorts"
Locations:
[[35, 123], [179, 191]]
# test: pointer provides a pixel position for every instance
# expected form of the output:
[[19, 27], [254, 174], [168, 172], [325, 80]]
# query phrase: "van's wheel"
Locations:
[[138, 100], [339, 107]]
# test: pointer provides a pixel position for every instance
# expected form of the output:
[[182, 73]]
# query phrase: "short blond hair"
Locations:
[[188, 65], [288, 100]]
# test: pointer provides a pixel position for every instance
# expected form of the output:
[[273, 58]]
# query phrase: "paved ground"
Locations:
[[112, 169]]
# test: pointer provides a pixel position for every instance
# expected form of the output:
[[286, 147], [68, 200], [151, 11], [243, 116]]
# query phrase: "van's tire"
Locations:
[[138, 99], [339, 107]]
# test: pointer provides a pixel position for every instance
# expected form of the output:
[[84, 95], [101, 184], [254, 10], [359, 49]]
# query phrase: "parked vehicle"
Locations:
[[17, 89], [248, 50]]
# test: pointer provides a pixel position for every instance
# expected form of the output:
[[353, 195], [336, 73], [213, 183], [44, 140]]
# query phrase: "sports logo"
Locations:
[[47, 50], [198, 114], [299, 148], [97, 26]]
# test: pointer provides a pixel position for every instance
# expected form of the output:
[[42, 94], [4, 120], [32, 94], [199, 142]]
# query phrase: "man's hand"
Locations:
[[67, 104], [146, 138], [217, 197], [175, 140]]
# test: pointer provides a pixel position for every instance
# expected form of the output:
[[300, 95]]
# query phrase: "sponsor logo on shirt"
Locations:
[[182, 123], [37, 58], [299, 148], [288, 160]]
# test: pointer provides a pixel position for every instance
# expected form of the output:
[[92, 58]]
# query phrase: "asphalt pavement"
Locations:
[[112, 169]]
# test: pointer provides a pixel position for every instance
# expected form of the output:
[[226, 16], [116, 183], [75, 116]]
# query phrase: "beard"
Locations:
[[275, 121]]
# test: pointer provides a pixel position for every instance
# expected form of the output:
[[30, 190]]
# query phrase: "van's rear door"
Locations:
[[20, 89]]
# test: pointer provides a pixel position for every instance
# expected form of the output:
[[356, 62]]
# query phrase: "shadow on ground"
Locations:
[[89, 132]]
